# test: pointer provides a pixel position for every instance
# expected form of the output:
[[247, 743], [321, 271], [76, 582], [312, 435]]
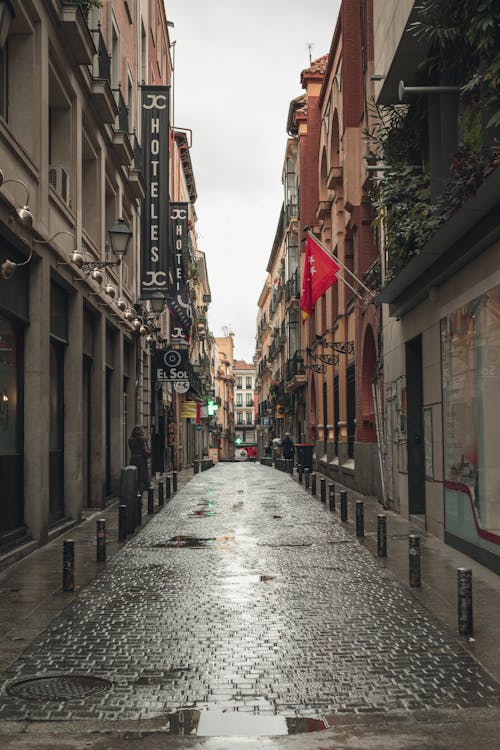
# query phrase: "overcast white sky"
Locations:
[[237, 67]]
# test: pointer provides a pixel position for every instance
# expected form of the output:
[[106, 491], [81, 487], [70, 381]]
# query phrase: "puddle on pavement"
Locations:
[[239, 724], [248, 578], [195, 542]]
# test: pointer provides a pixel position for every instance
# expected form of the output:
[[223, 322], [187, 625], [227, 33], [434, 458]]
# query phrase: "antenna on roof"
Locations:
[[309, 46]]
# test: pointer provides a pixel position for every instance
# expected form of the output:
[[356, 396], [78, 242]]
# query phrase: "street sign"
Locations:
[[198, 427], [171, 365]]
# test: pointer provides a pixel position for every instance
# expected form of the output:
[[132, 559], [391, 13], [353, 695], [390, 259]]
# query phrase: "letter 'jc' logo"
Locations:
[[156, 101]]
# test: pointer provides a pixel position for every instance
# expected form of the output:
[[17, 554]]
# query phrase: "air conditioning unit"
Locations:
[[59, 180]]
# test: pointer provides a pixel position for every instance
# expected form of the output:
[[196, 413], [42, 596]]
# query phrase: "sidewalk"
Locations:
[[439, 563], [31, 592]]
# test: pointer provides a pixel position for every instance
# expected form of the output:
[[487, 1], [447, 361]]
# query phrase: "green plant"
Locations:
[[464, 42]]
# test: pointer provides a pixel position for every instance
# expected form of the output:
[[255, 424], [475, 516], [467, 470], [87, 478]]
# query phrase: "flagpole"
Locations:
[[337, 260], [350, 287]]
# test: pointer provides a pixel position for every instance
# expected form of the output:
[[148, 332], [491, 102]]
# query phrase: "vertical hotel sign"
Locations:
[[155, 224]]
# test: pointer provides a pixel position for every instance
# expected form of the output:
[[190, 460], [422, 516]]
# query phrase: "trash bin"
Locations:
[[128, 495], [305, 455]]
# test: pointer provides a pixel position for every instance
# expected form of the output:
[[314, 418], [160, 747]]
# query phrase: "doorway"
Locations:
[[415, 427]]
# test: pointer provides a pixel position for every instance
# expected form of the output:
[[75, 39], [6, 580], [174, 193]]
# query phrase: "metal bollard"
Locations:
[[382, 535], [161, 495], [307, 475], [360, 518], [313, 483], [465, 620], [122, 523], [139, 508], [151, 501], [414, 559], [174, 481], [290, 465], [68, 565], [100, 535], [343, 505], [168, 488], [331, 497], [196, 467], [322, 489], [300, 471]]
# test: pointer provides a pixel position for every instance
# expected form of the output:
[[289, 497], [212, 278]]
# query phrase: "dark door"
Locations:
[[109, 374], [325, 415], [415, 426], [351, 409], [336, 412], [86, 430], [56, 433]]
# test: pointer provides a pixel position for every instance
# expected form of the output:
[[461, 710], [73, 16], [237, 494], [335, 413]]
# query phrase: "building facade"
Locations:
[[244, 403], [440, 246]]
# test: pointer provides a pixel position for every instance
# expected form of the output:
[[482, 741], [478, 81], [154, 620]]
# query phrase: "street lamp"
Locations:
[[157, 303], [119, 238]]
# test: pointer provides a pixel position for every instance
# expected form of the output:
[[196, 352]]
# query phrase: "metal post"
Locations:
[[343, 505], [151, 501], [331, 497], [300, 472], [161, 496], [381, 535], [465, 620], [307, 475], [196, 467], [122, 523], [101, 539], [174, 481], [414, 559], [360, 518], [290, 464], [168, 488], [322, 490], [313, 483], [139, 508], [68, 565]]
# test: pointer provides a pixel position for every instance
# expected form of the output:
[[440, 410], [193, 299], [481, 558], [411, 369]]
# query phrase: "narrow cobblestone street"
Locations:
[[244, 600]]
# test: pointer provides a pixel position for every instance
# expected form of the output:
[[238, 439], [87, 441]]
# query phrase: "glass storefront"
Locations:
[[11, 457], [470, 344]]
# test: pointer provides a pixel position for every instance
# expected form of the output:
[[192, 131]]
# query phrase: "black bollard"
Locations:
[[331, 497], [196, 467], [100, 535], [414, 559], [465, 620], [139, 508], [168, 488], [307, 474], [161, 495], [322, 489], [382, 535], [174, 481], [313, 483], [68, 565], [290, 466], [300, 472], [360, 518], [122, 523], [343, 505], [151, 501]]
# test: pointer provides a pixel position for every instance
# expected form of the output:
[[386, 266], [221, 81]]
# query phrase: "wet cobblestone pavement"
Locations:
[[245, 594]]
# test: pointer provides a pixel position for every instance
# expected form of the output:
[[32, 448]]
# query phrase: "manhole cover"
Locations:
[[59, 687]]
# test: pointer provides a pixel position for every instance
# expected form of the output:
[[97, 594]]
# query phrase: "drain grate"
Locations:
[[62, 687]]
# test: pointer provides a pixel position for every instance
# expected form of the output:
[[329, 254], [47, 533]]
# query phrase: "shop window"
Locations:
[[470, 341]]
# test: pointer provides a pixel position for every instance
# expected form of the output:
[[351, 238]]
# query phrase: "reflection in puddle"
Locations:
[[195, 542], [239, 724]]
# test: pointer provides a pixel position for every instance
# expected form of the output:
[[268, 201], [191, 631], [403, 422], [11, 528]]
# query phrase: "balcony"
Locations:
[[103, 100], [295, 372], [334, 179], [77, 37], [122, 146], [136, 183], [324, 209], [292, 290], [291, 212]]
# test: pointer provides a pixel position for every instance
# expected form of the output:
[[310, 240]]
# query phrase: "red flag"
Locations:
[[320, 272]]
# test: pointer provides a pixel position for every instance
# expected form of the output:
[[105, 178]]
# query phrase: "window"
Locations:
[[239, 417], [239, 382], [249, 417], [249, 399], [249, 381], [239, 399], [470, 344]]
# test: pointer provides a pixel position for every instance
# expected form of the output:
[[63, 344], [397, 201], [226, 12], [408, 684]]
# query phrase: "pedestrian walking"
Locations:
[[288, 447], [139, 454]]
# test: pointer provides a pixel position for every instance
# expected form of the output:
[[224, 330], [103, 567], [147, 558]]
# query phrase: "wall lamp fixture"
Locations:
[[25, 218], [119, 238]]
